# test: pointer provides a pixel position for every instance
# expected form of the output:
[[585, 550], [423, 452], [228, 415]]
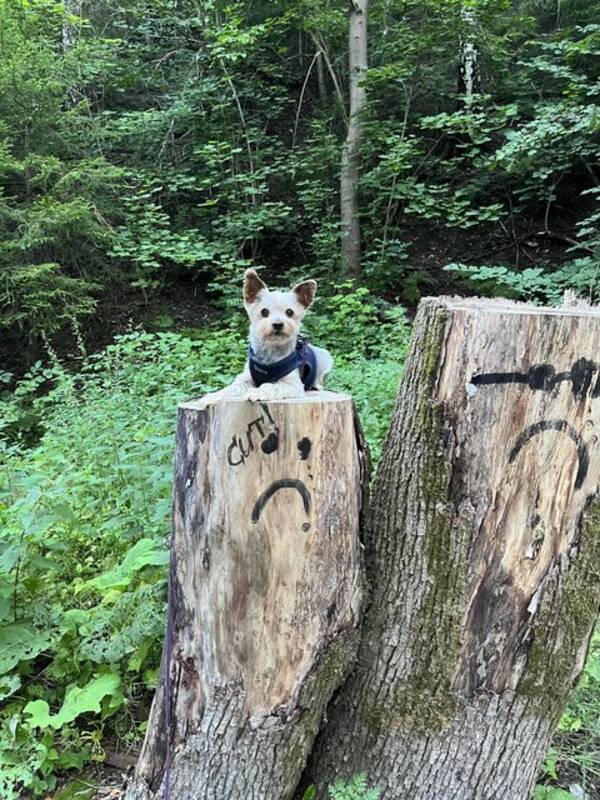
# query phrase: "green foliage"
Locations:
[[574, 757], [356, 789], [162, 141], [534, 284], [77, 701], [83, 520], [369, 340], [551, 793]]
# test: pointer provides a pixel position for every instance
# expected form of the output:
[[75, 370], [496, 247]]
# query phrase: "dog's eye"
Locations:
[[289, 312], [264, 312]]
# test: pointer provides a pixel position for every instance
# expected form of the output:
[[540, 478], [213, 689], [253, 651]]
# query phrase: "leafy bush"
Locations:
[[535, 284], [573, 761]]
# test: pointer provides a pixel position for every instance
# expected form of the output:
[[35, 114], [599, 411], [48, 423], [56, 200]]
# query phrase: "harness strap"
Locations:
[[302, 358]]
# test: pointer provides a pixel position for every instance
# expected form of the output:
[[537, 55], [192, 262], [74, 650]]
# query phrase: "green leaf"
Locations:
[[145, 552], [8, 685], [20, 642], [39, 712], [77, 701], [550, 793]]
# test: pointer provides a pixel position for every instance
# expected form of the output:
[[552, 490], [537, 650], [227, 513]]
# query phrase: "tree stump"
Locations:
[[483, 550], [265, 595]]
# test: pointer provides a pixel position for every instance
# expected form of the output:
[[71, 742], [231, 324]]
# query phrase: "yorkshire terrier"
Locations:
[[281, 363]]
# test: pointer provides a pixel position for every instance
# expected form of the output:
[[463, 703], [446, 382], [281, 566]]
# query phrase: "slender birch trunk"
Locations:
[[469, 76], [321, 77], [72, 9], [350, 165]]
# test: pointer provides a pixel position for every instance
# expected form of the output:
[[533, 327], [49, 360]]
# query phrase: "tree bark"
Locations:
[[350, 166], [265, 595], [483, 551], [69, 31], [469, 76], [323, 97]]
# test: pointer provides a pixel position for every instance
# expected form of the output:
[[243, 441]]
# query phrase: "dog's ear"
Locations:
[[253, 286], [305, 292]]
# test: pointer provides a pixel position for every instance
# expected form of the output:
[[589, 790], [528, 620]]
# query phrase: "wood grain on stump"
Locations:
[[266, 591], [483, 550]]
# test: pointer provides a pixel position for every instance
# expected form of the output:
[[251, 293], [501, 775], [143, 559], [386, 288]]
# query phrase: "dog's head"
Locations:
[[275, 316]]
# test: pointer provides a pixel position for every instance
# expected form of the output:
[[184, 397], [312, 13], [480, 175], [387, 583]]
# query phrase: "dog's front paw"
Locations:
[[259, 393], [272, 391]]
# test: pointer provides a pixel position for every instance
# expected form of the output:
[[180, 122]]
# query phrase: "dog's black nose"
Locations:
[[278, 327]]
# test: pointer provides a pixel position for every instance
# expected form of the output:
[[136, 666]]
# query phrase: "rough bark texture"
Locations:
[[265, 577], [483, 551], [357, 64]]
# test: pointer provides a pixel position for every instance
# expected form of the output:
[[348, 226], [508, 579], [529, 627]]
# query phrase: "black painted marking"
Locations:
[[562, 426], [270, 444], [265, 408], [304, 446], [241, 446], [499, 377], [543, 377], [276, 486], [582, 373]]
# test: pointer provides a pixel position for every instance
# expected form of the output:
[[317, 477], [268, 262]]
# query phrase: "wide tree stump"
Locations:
[[265, 595], [483, 551]]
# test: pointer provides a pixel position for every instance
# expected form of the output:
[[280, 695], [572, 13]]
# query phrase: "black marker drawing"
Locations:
[[304, 446], [544, 377], [564, 427], [241, 446], [276, 486], [270, 444]]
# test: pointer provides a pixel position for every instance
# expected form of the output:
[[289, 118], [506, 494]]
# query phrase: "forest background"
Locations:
[[150, 150]]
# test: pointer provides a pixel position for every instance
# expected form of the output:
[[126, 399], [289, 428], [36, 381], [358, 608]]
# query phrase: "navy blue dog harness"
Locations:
[[303, 358]]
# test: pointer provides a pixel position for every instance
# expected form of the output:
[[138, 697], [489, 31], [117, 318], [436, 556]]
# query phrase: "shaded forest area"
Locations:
[[152, 150]]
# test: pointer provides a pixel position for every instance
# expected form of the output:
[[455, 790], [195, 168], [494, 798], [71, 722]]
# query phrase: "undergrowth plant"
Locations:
[[356, 789]]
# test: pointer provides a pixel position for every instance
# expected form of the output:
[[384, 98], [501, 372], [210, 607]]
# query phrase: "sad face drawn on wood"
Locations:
[[282, 537], [530, 528], [242, 446]]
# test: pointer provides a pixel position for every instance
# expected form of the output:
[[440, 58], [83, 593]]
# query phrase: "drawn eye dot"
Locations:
[[304, 447], [289, 312], [264, 312]]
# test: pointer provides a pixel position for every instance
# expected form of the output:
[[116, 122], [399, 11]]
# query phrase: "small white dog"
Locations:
[[281, 364]]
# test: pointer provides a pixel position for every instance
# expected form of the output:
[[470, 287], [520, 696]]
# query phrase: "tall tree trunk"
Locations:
[[469, 76], [357, 62], [264, 599], [323, 97], [69, 31], [483, 551]]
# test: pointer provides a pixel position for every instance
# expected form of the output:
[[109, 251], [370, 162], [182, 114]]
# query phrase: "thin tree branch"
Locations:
[[308, 71], [338, 91]]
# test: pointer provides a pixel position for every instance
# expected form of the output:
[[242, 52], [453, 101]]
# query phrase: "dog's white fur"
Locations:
[[275, 318]]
